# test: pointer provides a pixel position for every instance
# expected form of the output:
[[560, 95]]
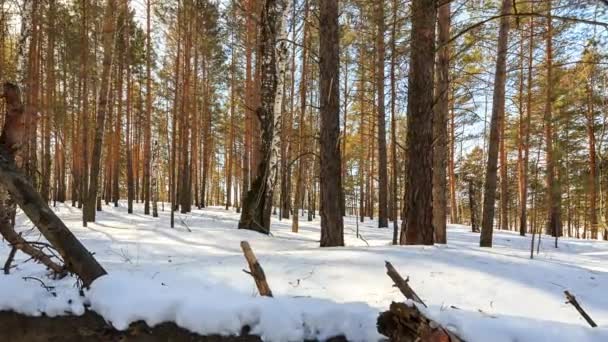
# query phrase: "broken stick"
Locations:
[[9, 261], [572, 300], [18, 242], [402, 284], [256, 270]]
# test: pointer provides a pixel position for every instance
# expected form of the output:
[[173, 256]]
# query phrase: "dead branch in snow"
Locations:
[[256, 270], [572, 300]]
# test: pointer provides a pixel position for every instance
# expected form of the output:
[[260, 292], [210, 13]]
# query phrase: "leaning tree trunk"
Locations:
[[332, 226], [417, 228], [109, 25], [498, 109], [257, 205], [76, 257], [440, 126]]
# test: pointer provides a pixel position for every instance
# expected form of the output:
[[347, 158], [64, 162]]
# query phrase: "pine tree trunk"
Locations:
[[148, 123], [382, 158], [84, 165], [332, 227], [523, 171], [109, 24], [554, 221], [592, 164], [418, 225], [299, 194], [498, 109], [394, 172], [440, 123]]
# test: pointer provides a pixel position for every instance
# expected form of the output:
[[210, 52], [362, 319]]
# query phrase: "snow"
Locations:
[[194, 279]]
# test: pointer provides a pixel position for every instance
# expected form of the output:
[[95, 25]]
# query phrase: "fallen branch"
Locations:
[[256, 270], [572, 300], [405, 323], [9, 260], [17, 242], [402, 284]]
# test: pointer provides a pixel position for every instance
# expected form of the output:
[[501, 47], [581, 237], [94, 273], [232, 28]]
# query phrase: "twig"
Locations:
[[9, 261], [256, 270], [572, 300], [402, 284], [45, 286]]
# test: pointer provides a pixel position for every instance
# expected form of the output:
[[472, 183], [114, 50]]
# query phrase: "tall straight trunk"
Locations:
[[452, 166], [504, 185], [525, 135], [394, 125], [173, 162], [440, 123], [417, 227], [118, 130], [332, 226], [299, 194], [554, 220], [84, 164], [148, 123], [154, 180], [592, 164], [185, 189], [382, 157], [129, 114], [498, 109], [249, 101], [109, 24], [50, 102], [230, 146]]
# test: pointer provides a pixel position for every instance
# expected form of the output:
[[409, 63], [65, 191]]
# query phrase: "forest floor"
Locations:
[[192, 275]]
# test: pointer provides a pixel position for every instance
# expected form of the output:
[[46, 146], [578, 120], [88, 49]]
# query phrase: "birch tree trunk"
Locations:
[[257, 205]]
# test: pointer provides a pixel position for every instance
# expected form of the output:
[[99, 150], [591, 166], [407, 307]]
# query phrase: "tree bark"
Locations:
[[525, 135], [299, 191], [394, 125], [148, 123], [382, 157], [498, 109], [440, 123], [257, 206], [554, 220], [417, 228], [332, 227], [109, 26]]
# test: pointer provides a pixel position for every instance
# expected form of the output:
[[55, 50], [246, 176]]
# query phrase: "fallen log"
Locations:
[[406, 323], [256, 270], [76, 257], [572, 300], [91, 327]]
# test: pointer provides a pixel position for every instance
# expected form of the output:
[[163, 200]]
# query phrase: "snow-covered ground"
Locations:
[[195, 278]]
